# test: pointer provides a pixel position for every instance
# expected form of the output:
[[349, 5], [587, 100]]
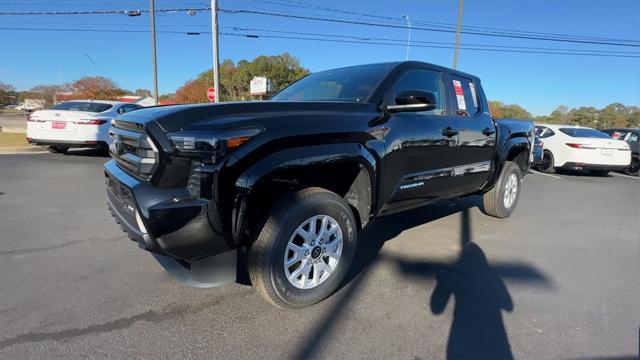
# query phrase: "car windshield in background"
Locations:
[[585, 133], [347, 84], [83, 106]]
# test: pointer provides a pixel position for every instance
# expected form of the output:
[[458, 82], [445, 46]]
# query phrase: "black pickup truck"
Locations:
[[294, 179]]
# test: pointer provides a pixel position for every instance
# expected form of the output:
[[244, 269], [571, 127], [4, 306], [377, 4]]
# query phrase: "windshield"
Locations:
[[82, 106], [585, 133], [347, 84]]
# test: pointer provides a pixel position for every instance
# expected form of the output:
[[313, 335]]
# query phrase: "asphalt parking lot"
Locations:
[[559, 279]]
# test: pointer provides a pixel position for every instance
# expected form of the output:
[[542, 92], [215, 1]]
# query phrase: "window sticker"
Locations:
[[473, 94], [459, 95]]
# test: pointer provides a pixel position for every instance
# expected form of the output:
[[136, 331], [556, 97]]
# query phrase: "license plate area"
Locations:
[[607, 151], [59, 125], [122, 196]]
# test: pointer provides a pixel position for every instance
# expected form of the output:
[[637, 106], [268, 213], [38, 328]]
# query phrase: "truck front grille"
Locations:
[[133, 150]]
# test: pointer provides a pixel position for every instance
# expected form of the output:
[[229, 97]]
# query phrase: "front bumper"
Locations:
[[165, 221], [582, 166]]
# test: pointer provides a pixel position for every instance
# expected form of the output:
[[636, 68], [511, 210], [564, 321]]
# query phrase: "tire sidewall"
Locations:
[[551, 168], [509, 169], [324, 205]]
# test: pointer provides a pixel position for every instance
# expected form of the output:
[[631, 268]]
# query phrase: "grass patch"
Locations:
[[8, 139]]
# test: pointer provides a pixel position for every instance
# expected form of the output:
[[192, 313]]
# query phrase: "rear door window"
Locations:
[[543, 132], [466, 96]]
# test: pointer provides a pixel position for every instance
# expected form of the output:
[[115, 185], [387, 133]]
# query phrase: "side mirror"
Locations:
[[413, 100]]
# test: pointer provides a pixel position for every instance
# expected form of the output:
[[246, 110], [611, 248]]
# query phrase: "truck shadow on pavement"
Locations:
[[477, 287]]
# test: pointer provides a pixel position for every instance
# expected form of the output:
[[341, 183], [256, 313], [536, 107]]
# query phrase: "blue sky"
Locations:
[[539, 82]]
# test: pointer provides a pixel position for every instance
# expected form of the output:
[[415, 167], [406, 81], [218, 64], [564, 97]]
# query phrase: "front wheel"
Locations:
[[304, 250], [502, 199]]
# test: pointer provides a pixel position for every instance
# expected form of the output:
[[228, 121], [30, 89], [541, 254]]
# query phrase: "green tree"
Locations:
[[235, 78]]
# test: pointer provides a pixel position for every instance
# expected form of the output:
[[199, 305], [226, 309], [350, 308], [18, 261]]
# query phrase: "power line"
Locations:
[[100, 12], [256, 36], [366, 41], [433, 23], [353, 22], [367, 38]]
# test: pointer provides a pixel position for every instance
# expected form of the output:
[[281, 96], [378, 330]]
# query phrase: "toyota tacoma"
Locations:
[[292, 181]]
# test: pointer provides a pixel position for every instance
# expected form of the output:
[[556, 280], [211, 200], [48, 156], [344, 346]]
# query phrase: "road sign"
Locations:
[[211, 94], [259, 86]]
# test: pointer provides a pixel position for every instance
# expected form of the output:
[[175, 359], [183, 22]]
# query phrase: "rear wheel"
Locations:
[[546, 166], [304, 250], [502, 199], [634, 168], [58, 149]]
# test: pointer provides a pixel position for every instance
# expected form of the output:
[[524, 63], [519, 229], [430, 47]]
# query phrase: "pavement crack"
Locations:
[[52, 247], [151, 316]]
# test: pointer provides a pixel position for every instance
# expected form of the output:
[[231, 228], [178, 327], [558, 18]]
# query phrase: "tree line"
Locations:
[[283, 69], [612, 115]]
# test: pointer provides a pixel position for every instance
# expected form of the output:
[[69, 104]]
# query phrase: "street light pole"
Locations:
[[455, 51], [406, 17], [214, 39], [95, 71], [153, 52]]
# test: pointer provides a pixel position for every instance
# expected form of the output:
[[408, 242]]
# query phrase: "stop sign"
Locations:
[[211, 94]]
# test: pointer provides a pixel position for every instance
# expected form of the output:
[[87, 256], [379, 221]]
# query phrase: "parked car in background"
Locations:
[[581, 148], [538, 147], [30, 105], [631, 136], [77, 123]]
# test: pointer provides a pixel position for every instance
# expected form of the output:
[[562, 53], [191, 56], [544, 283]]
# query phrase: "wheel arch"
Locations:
[[516, 149], [348, 170]]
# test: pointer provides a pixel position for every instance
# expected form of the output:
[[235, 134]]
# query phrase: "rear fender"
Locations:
[[511, 143], [282, 168]]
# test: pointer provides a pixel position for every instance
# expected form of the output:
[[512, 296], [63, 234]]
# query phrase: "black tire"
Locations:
[[547, 164], [494, 201], [57, 149], [266, 255], [634, 168]]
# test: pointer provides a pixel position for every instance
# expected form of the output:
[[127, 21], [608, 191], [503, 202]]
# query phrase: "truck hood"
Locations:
[[177, 117]]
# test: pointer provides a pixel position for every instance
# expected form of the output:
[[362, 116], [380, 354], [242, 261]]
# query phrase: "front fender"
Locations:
[[361, 190]]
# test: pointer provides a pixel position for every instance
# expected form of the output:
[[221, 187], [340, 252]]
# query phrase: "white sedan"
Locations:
[[581, 148], [76, 123]]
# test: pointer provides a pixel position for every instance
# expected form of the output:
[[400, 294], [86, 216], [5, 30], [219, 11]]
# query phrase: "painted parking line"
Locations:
[[549, 175], [623, 175]]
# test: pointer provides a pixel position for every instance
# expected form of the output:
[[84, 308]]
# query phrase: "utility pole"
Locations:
[[214, 39], [406, 17], [455, 51], [153, 52]]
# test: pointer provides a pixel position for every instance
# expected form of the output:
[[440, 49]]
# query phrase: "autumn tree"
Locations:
[[194, 91], [97, 87]]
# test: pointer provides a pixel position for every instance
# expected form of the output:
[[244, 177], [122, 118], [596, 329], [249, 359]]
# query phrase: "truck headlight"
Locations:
[[210, 144]]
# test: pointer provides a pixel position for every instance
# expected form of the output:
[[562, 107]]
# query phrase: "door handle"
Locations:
[[488, 131], [449, 131]]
